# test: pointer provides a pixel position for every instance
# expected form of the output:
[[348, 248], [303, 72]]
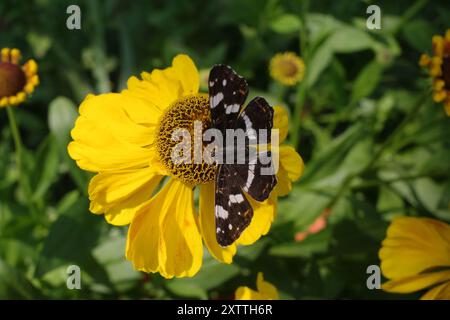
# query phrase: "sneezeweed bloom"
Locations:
[[287, 68], [16, 81], [416, 255], [438, 65], [264, 291], [126, 139]]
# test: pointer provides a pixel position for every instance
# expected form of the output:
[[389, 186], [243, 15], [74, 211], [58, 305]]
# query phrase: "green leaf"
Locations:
[[61, 119], [287, 23], [418, 33], [318, 63], [14, 284], [389, 201], [211, 275], [187, 289], [350, 39], [366, 82], [326, 162], [313, 244], [47, 167], [302, 207], [71, 239]]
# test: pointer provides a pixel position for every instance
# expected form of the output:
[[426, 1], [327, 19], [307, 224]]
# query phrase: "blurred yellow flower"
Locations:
[[416, 255], [124, 138], [438, 66], [264, 291], [287, 68], [16, 81]]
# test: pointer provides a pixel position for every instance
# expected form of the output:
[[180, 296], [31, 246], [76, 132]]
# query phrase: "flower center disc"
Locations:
[[181, 117], [446, 72], [288, 68], [12, 79]]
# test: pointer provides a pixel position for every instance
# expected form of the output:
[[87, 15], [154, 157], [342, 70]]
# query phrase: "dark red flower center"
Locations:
[[12, 79], [446, 72]]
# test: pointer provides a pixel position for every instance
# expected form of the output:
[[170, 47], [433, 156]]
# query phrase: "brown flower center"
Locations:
[[181, 117], [446, 72], [12, 79], [289, 68]]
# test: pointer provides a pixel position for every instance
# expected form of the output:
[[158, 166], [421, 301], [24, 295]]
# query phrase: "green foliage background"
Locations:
[[374, 144]]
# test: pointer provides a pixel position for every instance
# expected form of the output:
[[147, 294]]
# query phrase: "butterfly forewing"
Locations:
[[227, 94], [257, 116], [233, 212]]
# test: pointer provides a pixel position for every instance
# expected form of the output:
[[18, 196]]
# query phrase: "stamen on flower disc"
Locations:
[[182, 115]]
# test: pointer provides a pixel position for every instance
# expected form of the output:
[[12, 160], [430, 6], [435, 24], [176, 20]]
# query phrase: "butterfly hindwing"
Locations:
[[258, 176], [233, 212], [227, 92]]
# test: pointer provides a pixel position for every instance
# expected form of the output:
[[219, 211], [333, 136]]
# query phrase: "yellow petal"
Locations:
[[424, 60], [284, 184], [129, 119], [438, 84], [120, 194], [435, 69], [186, 72], [438, 45], [413, 245], [416, 282], [447, 106], [161, 88], [208, 226], [265, 291], [163, 236], [263, 215], [265, 288], [281, 122], [290, 169], [291, 161], [245, 293], [107, 138], [441, 292], [439, 95]]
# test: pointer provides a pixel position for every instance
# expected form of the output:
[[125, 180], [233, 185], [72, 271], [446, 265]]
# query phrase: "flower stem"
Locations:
[[302, 87], [23, 182], [297, 114], [16, 136]]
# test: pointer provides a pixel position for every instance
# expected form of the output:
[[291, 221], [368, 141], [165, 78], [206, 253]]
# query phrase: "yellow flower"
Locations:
[[438, 66], [287, 68], [16, 82], [416, 255], [125, 138], [265, 291]]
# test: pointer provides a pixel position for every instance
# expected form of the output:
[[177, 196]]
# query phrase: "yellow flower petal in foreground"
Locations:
[[163, 237], [438, 66], [16, 81], [415, 254], [264, 291], [287, 68]]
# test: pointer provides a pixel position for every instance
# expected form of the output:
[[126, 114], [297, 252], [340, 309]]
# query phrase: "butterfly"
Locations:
[[237, 181]]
